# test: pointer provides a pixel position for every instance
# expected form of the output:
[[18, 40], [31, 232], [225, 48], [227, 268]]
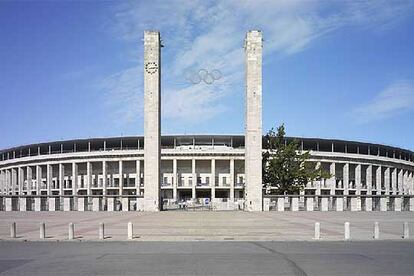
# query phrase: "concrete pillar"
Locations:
[[347, 232], [358, 179], [38, 204], [281, 204], [140, 204], [89, 178], [369, 179], [232, 179], [130, 231], [394, 180], [324, 204], [20, 181], [317, 231], [376, 230], [379, 179], [400, 181], [74, 178], [253, 130], [14, 180], [368, 204], [49, 175], [213, 178], [111, 204], [383, 204], [339, 202], [9, 204], [387, 180], [175, 179], [355, 204], [38, 178], [125, 204], [22, 203], [96, 204], [411, 204], [152, 120], [346, 178], [294, 206], [309, 203], [138, 178], [61, 178], [105, 177], [406, 231], [66, 204], [52, 204], [121, 178], [194, 177], [266, 204], [397, 204], [82, 204], [332, 180], [29, 178]]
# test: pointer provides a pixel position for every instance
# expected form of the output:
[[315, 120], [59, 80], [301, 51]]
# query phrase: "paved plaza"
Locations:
[[208, 226], [207, 258]]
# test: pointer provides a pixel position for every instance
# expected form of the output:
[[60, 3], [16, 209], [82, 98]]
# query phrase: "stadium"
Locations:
[[217, 171]]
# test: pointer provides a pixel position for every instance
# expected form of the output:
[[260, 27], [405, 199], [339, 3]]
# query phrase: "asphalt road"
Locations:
[[207, 258]]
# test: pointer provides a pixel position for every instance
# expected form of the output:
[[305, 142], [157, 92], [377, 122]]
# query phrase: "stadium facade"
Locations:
[[150, 169]]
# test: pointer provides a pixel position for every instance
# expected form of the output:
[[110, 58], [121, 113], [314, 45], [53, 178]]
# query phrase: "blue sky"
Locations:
[[331, 69]]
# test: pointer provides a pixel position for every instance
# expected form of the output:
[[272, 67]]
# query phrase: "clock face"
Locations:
[[151, 67]]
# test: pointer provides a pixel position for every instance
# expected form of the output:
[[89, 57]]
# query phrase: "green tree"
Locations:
[[286, 166]]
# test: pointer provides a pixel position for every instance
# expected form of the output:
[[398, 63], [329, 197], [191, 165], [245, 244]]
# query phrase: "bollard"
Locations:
[[13, 230], [71, 231], [130, 231], [376, 231], [347, 231], [406, 231], [101, 231], [42, 230], [317, 230]]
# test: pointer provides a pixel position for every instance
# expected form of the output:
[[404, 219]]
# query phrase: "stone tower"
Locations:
[[152, 120], [253, 128]]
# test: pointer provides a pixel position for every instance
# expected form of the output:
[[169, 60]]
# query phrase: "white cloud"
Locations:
[[209, 34], [394, 99]]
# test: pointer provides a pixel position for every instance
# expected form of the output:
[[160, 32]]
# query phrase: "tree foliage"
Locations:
[[285, 165]]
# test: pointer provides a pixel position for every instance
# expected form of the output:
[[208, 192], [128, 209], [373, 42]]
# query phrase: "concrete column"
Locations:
[[232, 179], [74, 178], [175, 179], [383, 204], [105, 177], [138, 178], [309, 203], [324, 204], [369, 179], [411, 204], [406, 183], [96, 203], [82, 203], [394, 180], [66, 204], [379, 179], [22, 204], [2, 188], [339, 204], [121, 178], [20, 181], [213, 178], [266, 204], [61, 178], [387, 179], [49, 173], [194, 177], [111, 204], [397, 204], [253, 129], [14, 180], [52, 204], [294, 204], [29, 177], [400, 181], [89, 178], [152, 120], [332, 180], [38, 178], [38, 204], [346, 178], [368, 204], [9, 204], [358, 179], [125, 204], [281, 204], [355, 204]]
